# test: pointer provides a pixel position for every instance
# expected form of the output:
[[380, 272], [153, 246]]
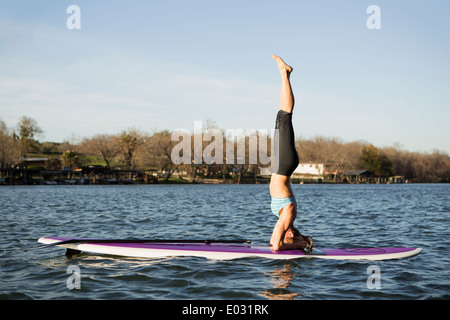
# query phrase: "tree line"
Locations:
[[133, 149]]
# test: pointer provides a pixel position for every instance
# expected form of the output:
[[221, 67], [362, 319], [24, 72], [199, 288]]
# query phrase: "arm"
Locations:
[[288, 246], [282, 225]]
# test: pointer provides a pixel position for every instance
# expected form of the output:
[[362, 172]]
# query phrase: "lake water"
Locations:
[[335, 215]]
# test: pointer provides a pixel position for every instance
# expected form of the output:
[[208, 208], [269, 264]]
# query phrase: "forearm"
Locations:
[[287, 246]]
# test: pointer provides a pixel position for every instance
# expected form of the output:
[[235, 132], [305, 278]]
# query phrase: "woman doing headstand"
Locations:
[[284, 204]]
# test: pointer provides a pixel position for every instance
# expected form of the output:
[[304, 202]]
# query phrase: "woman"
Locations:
[[284, 204]]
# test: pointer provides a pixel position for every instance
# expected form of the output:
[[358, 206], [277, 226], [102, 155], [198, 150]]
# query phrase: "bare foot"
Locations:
[[282, 65]]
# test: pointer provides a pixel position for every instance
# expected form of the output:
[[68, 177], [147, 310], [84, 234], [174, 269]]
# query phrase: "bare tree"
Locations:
[[104, 146], [10, 150], [158, 150]]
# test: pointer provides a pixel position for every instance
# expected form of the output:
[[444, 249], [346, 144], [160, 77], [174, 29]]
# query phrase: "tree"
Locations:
[[28, 129], [158, 150], [129, 142], [104, 146], [374, 160], [69, 158], [10, 150]]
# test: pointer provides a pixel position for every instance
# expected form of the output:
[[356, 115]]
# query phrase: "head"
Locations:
[[292, 235]]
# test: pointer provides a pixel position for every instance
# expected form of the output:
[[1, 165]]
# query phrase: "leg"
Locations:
[[285, 155], [287, 96]]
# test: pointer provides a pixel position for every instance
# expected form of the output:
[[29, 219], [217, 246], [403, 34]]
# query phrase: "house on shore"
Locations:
[[317, 172], [312, 172]]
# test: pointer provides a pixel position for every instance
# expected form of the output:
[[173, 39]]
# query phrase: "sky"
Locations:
[[157, 65]]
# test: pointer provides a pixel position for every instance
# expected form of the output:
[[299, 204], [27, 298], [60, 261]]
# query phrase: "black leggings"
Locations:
[[285, 155]]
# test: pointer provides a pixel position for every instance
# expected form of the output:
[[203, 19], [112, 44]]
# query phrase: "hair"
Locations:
[[299, 237]]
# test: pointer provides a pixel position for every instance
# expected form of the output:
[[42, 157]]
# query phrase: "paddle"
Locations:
[[207, 241]]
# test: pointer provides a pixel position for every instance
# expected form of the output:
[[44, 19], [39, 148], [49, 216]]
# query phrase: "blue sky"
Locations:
[[154, 65]]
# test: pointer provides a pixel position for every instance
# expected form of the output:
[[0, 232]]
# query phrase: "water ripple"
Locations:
[[335, 215]]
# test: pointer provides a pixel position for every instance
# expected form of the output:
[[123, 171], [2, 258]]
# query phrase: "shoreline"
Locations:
[[177, 181]]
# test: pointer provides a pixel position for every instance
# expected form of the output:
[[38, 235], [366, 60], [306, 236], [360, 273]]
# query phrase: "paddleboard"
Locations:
[[218, 251]]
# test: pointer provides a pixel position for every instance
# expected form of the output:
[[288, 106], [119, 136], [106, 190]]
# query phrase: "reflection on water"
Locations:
[[280, 279]]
